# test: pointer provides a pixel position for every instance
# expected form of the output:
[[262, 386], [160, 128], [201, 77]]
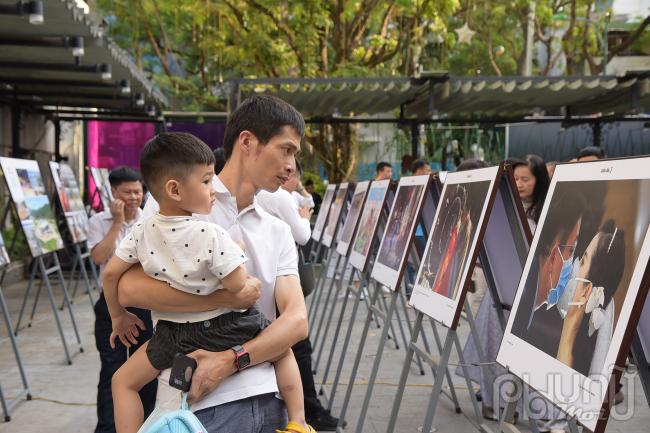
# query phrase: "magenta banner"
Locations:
[[112, 144]]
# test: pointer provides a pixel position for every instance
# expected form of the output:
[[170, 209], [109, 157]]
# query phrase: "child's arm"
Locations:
[[125, 324], [235, 281]]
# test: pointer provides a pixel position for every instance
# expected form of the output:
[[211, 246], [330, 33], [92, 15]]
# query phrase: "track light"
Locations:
[[139, 99], [105, 70], [33, 9], [125, 87], [77, 45]]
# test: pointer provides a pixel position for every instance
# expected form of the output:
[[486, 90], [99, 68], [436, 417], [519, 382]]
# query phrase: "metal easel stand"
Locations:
[[320, 282], [386, 317], [8, 406], [39, 266], [80, 260], [338, 278], [324, 305]]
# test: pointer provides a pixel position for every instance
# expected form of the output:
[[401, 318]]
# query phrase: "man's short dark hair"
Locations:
[[382, 165], [219, 160], [119, 175], [418, 164], [309, 182], [596, 151], [263, 115], [172, 155]]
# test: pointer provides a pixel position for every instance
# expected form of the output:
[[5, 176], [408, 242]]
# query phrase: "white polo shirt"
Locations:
[[99, 226], [271, 253], [282, 205]]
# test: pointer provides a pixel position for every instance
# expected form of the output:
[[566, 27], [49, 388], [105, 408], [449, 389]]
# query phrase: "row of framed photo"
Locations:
[[37, 219], [575, 301]]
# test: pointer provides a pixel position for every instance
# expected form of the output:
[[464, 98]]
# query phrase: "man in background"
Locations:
[[105, 231], [384, 171]]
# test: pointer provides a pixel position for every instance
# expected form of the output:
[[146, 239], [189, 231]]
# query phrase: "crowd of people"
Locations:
[[214, 257]]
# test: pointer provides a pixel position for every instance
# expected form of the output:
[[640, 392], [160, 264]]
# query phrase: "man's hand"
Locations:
[[305, 212], [117, 211], [212, 369], [125, 327], [243, 299]]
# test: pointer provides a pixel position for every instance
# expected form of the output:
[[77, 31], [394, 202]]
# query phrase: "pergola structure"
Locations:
[[55, 59], [440, 97]]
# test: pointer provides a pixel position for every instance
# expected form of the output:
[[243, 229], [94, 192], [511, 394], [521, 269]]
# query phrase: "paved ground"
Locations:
[[64, 395]]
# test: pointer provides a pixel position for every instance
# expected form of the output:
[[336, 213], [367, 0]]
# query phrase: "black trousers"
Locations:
[[112, 360], [302, 351]]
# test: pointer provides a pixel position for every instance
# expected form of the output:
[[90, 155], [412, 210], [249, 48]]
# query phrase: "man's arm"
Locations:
[[137, 289], [104, 249], [288, 329]]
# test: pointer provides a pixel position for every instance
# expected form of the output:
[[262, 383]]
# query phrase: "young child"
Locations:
[[193, 256]]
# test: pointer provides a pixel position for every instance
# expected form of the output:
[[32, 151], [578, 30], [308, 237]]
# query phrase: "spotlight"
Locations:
[[139, 99], [105, 70], [77, 45], [125, 87], [35, 11]]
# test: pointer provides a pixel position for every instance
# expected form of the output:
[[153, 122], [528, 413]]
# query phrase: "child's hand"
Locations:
[[242, 245], [125, 327]]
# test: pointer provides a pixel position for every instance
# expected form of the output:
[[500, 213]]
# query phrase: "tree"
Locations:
[[192, 46]]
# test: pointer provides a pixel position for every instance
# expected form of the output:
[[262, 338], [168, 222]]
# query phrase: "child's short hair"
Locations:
[[172, 155]]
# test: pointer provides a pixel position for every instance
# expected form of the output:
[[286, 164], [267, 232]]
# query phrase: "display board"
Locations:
[[25, 183], [352, 219], [452, 246], [400, 228], [69, 198], [368, 223], [583, 287], [507, 239], [324, 212], [335, 214], [103, 186]]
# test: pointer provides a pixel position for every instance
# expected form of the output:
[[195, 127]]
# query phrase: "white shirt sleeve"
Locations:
[[282, 205], [128, 248], [303, 201], [226, 254], [288, 258], [95, 231]]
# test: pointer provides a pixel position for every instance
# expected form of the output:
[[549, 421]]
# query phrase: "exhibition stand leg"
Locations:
[[7, 406]]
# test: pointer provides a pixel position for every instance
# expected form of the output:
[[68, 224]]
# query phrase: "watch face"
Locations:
[[243, 360]]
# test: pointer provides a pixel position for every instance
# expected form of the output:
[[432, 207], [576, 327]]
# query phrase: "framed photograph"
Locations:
[[352, 218], [323, 213], [70, 200], [403, 217], [102, 185], [507, 240], [4, 255], [25, 183], [368, 223], [335, 214], [583, 287], [453, 244], [641, 348]]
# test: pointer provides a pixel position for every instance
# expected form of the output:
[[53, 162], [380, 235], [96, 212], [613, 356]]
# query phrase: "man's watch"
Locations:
[[242, 358]]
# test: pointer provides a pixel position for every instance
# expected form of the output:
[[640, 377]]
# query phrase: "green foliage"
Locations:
[[21, 249], [319, 185]]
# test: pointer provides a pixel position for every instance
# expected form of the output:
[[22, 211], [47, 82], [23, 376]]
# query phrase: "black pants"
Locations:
[[302, 351], [112, 360]]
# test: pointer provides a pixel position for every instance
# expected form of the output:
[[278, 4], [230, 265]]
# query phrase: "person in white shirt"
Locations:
[[105, 231], [192, 256], [262, 137], [298, 192], [282, 205]]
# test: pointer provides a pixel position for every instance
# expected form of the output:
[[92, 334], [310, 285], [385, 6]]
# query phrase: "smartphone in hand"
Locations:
[[182, 370]]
